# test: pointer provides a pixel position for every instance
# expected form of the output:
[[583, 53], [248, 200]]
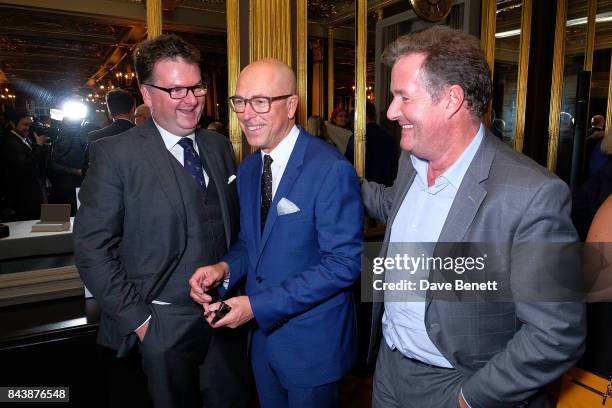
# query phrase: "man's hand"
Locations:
[[206, 278], [142, 331], [240, 314], [462, 402], [40, 139]]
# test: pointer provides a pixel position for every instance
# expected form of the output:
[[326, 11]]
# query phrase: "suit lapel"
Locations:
[[292, 170], [157, 155], [468, 200], [216, 172]]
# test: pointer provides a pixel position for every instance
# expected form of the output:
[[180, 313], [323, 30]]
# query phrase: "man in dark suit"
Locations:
[[458, 183], [22, 161], [158, 202], [120, 105], [298, 249], [381, 150]]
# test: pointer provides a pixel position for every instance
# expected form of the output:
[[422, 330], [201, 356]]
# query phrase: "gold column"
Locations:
[[233, 69], [154, 18], [487, 31], [523, 69], [270, 30], [317, 78], [360, 85], [302, 57], [330, 72], [487, 41], [557, 85], [590, 36], [609, 109]]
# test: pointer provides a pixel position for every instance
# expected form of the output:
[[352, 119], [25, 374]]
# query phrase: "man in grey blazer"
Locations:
[[158, 202], [458, 183]]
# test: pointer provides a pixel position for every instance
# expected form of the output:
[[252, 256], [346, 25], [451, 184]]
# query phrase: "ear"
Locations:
[[146, 97], [292, 104], [455, 99]]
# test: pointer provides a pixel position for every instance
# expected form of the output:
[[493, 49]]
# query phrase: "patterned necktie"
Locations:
[[191, 161], [266, 189]]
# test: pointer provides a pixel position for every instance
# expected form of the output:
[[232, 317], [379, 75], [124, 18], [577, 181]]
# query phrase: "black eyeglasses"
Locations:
[[260, 104], [181, 92]]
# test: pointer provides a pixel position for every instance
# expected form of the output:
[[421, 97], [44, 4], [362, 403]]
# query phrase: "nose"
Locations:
[[393, 112], [248, 112], [190, 98]]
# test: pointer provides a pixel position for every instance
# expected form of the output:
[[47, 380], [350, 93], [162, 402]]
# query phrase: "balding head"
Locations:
[[267, 83], [274, 73], [142, 114]]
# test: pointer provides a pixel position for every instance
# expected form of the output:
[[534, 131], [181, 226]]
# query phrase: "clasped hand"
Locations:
[[208, 277]]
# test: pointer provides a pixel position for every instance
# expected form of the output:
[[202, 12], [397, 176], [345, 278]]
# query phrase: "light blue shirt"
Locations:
[[419, 220]]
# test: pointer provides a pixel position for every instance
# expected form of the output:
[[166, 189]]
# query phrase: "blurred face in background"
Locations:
[[341, 119], [23, 126]]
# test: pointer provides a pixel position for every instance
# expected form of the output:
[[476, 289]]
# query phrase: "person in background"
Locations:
[[336, 129], [22, 164], [381, 152], [141, 114]]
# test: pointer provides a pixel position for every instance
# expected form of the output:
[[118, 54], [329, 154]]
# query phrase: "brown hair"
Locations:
[[452, 57], [167, 46]]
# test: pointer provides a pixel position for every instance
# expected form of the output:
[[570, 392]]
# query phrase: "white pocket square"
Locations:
[[231, 178], [285, 207]]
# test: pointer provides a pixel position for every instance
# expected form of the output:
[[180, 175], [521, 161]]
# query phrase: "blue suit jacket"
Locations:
[[299, 271]]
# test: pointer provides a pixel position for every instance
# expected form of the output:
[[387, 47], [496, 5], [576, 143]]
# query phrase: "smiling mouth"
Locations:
[[407, 126], [254, 128]]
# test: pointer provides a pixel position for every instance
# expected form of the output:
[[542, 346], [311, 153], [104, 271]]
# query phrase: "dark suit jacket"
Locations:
[[22, 177], [118, 126], [505, 350], [131, 229]]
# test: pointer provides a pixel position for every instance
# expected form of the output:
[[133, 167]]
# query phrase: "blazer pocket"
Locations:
[[296, 216], [323, 307]]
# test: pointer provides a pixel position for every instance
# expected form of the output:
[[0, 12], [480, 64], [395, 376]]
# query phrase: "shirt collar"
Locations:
[[281, 153], [171, 139], [455, 173]]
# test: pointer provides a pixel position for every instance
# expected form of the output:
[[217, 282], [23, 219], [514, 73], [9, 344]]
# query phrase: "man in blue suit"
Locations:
[[299, 248]]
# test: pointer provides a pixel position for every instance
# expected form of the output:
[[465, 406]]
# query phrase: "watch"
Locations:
[[432, 10]]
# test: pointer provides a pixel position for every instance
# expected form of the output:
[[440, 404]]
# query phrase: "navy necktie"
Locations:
[[266, 189], [192, 162]]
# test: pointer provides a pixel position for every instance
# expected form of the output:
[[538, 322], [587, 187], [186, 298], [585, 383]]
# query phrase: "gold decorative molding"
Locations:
[[301, 42], [154, 18], [360, 85], [233, 70], [556, 92], [523, 70], [330, 72], [590, 36]]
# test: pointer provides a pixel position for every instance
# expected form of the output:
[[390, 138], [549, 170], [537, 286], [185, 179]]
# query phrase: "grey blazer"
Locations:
[[506, 351], [130, 232]]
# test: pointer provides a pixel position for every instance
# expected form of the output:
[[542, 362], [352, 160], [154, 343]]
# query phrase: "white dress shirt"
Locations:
[[280, 156], [420, 219]]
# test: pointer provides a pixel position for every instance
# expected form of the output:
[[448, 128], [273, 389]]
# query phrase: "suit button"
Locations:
[[258, 279]]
